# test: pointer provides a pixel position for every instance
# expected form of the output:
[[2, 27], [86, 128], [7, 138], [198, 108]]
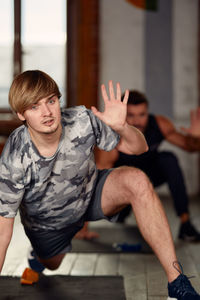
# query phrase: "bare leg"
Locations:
[[126, 185], [86, 234], [31, 275], [52, 263]]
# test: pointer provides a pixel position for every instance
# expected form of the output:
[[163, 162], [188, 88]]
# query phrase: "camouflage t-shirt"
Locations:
[[52, 192]]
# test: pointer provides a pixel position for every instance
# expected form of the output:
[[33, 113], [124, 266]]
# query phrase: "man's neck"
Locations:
[[46, 143]]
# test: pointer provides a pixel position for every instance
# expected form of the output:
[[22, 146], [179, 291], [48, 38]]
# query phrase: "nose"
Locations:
[[136, 121], [45, 110]]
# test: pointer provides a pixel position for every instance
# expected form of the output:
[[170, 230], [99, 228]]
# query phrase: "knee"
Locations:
[[52, 263], [169, 158], [51, 266], [136, 181]]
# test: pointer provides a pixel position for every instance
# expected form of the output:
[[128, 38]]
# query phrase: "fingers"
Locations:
[[195, 115], [104, 93], [185, 130], [118, 92], [125, 100], [96, 112], [112, 92]]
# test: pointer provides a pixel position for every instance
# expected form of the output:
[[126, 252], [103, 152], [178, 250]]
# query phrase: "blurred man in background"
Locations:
[[160, 166]]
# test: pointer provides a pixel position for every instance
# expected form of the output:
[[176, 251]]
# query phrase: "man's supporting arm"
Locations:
[[6, 229], [188, 142]]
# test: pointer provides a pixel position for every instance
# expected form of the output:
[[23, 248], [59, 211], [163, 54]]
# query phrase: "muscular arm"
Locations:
[[185, 142], [114, 115], [105, 159], [6, 229], [132, 140]]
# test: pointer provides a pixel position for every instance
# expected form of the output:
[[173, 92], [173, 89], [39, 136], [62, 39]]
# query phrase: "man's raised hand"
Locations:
[[194, 129], [115, 109]]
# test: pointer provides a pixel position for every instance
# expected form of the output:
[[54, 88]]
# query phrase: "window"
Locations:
[[44, 38], [6, 50]]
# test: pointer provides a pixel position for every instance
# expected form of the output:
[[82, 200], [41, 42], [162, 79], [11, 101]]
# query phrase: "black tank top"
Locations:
[[153, 137]]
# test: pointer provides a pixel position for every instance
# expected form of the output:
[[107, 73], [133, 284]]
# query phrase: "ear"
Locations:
[[21, 117]]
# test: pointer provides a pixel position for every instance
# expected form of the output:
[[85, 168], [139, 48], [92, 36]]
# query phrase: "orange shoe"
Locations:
[[29, 277]]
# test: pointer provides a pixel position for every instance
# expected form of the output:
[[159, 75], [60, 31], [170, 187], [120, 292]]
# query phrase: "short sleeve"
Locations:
[[106, 138], [11, 181]]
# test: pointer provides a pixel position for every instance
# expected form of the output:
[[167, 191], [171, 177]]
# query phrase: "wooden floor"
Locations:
[[143, 276]]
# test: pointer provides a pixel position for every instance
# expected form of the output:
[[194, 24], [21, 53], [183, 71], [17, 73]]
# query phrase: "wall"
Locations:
[[121, 44], [155, 52]]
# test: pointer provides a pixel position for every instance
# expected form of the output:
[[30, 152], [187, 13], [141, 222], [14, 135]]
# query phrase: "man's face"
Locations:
[[137, 115], [44, 116]]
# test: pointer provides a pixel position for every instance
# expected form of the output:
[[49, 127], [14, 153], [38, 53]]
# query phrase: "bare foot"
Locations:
[[86, 235]]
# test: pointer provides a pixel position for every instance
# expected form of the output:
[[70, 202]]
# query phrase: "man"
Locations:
[[48, 172], [160, 166]]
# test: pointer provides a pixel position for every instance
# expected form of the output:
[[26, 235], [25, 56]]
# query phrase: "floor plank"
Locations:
[[84, 265], [107, 264], [144, 278]]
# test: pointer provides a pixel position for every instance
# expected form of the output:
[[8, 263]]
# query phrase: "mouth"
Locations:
[[48, 122]]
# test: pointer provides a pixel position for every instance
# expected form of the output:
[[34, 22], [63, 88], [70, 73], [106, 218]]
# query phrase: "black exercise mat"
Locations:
[[108, 236], [64, 288]]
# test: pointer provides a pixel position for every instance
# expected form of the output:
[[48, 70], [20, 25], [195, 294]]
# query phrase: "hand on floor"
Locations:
[[85, 234]]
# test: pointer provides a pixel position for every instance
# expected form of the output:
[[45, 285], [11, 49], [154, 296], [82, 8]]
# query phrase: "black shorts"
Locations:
[[50, 243]]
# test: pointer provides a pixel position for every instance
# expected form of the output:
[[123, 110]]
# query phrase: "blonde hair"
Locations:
[[29, 87]]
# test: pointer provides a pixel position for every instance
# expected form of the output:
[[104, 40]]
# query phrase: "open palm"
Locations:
[[115, 110], [194, 128]]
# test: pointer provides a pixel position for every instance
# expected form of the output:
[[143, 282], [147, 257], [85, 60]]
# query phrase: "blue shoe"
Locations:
[[181, 289], [125, 247], [189, 233], [33, 262]]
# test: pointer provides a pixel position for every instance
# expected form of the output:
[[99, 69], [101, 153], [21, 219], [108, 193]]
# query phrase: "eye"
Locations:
[[52, 101], [130, 115], [34, 107]]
